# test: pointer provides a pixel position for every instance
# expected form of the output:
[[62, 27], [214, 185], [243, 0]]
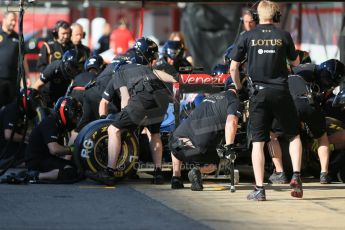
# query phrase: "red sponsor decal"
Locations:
[[202, 79]]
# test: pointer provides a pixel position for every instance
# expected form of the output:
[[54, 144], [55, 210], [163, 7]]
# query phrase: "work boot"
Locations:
[[278, 178], [158, 177], [194, 176], [258, 194], [105, 176], [325, 178], [296, 186], [176, 182]]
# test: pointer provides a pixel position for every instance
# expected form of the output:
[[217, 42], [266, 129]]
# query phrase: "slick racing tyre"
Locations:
[[92, 149]]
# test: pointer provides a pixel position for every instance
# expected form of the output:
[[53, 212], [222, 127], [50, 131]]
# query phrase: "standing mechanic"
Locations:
[[57, 76], [144, 101], [267, 49], [93, 96], [46, 147], [54, 49], [9, 46], [195, 139]]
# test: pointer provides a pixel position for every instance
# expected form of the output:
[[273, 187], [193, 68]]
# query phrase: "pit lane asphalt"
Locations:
[[137, 204]]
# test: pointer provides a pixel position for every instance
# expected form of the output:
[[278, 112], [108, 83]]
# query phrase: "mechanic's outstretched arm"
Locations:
[[235, 74], [163, 76], [59, 150]]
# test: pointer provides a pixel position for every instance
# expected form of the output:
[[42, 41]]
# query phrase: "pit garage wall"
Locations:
[[321, 28], [209, 30]]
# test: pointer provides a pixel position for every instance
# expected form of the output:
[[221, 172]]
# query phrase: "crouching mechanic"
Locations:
[[46, 144], [144, 101], [196, 138], [13, 125], [93, 66], [309, 112]]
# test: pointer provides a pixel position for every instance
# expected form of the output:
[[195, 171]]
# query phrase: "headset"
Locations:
[[62, 112], [276, 16], [254, 15], [59, 24]]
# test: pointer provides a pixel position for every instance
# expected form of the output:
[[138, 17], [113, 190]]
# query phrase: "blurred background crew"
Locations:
[[77, 35], [54, 49], [178, 36], [9, 45], [103, 41], [121, 39], [249, 19]]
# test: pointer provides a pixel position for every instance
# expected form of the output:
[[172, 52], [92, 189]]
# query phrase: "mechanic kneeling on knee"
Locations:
[[45, 151], [196, 138]]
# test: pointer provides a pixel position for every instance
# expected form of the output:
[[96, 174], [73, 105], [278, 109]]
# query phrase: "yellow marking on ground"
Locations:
[[101, 186], [216, 188]]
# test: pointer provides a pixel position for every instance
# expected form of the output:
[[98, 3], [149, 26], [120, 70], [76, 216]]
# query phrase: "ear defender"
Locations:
[[62, 112], [276, 17]]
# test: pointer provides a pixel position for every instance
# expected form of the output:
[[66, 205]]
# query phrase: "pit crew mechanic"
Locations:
[[196, 138], [267, 49], [56, 77], [12, 120], [9, 46], [54, 49], [144, 101], [45, 150]]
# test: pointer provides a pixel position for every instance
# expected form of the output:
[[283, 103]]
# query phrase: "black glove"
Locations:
[[243, 94], [229, 152]]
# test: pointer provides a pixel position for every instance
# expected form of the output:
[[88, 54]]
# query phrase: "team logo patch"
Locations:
[[1, 38], [57, 55]]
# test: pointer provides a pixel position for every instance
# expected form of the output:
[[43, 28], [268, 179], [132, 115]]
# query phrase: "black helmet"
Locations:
[[72, 63], [147, 49], [94, 62], [220, 69], [173, 50], [331, 72], [69, 111], [227, 55], [119, 61], [33, 100], [133, 57]]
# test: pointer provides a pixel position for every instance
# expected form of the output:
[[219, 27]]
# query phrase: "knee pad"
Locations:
[[68, 174]]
